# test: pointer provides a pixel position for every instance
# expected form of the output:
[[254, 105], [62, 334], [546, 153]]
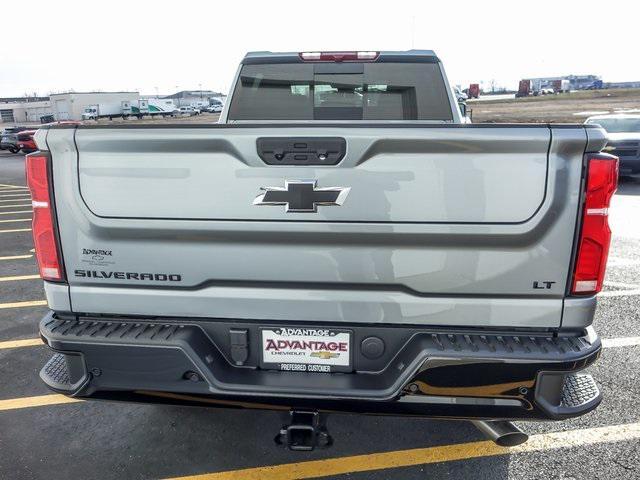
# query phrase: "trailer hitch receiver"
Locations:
[[306, 431]]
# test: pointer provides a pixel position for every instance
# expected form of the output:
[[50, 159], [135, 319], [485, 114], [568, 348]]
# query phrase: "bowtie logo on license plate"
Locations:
[[302, 196], [324, 355]]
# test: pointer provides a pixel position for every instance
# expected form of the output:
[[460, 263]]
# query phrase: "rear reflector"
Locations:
[[44, 236], [339, 56], [595, 235]]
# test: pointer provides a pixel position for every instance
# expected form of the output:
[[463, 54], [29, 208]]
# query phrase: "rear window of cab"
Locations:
[[341, 91]]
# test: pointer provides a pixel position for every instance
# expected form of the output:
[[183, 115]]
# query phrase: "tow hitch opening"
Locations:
[[305, 431]]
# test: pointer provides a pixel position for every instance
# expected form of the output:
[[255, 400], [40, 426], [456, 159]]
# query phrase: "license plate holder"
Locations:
[[306, 349]]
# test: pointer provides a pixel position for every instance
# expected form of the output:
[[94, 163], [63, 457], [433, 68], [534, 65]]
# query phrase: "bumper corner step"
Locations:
[[578, 391], [566, 395], [65, 373]]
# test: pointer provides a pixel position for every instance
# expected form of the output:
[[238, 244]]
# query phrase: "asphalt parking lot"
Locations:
[[43, 435]]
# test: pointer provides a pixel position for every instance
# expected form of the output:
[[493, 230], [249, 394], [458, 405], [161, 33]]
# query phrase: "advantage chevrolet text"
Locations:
[[341, 241]]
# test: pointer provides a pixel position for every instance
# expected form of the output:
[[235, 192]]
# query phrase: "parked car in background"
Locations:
[[26, 142], [623, 132], [19, 138], [460, 95], [189, 110], [215, 108], [9, 138]]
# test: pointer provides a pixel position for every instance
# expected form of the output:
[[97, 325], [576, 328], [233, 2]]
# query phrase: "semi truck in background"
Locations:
[[595, 85], [474, 90], [126, 108], [538, 86], [154, 106], [524, 88]]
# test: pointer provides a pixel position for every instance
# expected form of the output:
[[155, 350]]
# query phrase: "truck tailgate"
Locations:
[[409, 175], [442, 225]]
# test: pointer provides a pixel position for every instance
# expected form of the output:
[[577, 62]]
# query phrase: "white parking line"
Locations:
[[15, 278], [17, 211], [14, 206], [622, 285], [620, 342], [620, 293], [29, 303], [15, 257], [620, 262], [16, 220], [15, 230]]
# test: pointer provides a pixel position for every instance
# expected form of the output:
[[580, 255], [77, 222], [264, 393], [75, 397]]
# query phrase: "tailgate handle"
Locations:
[[301, 150]]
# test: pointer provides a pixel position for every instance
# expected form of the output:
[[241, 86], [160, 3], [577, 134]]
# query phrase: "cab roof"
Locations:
[[407, 56]]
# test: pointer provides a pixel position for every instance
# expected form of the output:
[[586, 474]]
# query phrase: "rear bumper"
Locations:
[[422, 372]]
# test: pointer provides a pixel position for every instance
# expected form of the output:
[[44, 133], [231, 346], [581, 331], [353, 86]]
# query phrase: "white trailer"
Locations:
[[107, 110], [153, 107]]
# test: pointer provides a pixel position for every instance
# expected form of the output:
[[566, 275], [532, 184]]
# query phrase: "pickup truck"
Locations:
[[623, 132], [340, 242]]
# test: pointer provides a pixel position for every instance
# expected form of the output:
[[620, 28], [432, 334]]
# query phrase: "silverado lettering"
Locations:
[[158, 277]]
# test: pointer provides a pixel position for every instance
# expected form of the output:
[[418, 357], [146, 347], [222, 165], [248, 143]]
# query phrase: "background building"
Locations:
[[24, 109], [195, 98], [577, 82]]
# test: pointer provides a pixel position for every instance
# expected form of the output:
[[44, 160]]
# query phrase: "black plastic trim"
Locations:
[[428, 365], [302, 151]]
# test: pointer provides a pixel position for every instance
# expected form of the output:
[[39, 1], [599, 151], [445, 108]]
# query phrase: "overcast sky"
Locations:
[[164, 46]]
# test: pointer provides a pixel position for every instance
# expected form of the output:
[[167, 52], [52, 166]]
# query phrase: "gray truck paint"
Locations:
[[443, 226]]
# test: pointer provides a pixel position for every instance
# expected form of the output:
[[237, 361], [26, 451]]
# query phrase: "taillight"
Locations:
[[339, 56], [44, 234], [595, 235]]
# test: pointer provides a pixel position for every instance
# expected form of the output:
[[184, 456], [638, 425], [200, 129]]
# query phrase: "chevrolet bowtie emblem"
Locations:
[[324, 355], [301, 196]]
